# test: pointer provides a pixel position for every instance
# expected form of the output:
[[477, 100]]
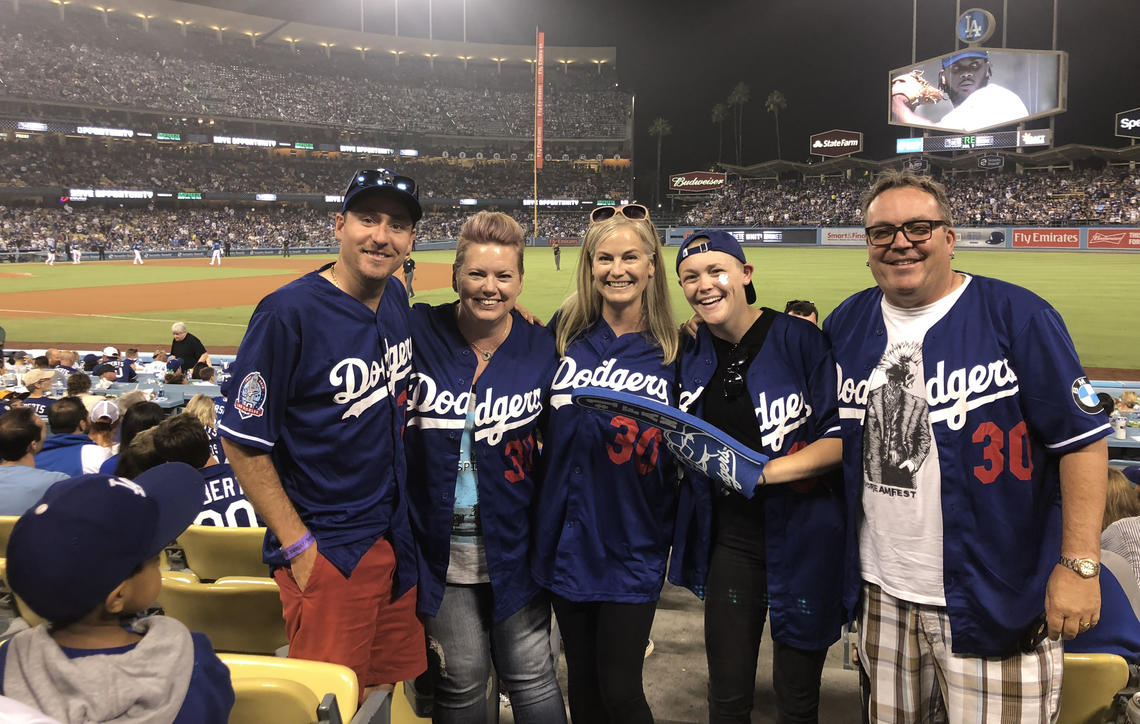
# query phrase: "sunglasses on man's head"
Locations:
[[634, 212], [377, 177]]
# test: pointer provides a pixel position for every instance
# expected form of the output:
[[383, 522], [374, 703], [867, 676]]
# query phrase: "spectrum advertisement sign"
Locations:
[[1046, 238]]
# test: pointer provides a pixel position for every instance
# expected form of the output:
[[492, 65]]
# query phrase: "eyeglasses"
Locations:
[[734, 377], [915, 231], [375, 177], [633, 212]]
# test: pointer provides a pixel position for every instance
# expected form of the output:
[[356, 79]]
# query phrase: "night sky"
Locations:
[[830, 59]]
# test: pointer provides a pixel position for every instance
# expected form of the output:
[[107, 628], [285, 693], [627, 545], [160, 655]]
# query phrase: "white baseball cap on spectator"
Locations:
[[110, 352], [105, 409]]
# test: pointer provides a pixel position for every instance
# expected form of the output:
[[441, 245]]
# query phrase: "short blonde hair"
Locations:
[[1121, 499], [202, 407], [489, 227]]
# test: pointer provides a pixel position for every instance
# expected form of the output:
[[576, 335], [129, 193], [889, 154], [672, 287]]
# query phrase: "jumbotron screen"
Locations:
[[974, 89]]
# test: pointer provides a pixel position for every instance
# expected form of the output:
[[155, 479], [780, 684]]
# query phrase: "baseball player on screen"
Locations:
[[975, 470], [313, 428]]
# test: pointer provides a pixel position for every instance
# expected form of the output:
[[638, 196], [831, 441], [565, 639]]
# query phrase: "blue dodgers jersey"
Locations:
[[607, 496], [1007, 398], [510, 398], [320, 381], [791, 383], [223, 501]]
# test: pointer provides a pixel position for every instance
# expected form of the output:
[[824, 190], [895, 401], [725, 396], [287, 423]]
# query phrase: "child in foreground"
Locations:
[[86, 558]]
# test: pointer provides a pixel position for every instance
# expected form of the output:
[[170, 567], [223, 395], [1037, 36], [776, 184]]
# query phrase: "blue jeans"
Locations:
[[463, 643]]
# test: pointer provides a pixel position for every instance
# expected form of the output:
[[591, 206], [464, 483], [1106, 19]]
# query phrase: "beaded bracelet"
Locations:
[[295, 549]]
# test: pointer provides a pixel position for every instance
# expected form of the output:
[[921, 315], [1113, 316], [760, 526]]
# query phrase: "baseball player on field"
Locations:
[[137, 249], [50, 261], [313, 428], [975, 467], [216, 253]]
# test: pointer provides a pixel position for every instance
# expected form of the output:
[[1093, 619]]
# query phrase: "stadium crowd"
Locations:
[[1081, 197], [123, 67], [95, 163]]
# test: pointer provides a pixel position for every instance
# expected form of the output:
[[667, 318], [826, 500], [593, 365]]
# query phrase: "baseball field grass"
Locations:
[[98, 303]]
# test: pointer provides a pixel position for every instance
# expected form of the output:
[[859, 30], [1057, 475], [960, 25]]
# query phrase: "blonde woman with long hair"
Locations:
[[607, 497]]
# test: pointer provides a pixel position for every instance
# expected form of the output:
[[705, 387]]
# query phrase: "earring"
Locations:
[[951, 255], [868, 262]]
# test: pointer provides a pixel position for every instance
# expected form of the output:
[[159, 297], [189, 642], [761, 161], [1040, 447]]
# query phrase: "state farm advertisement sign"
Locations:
[[1047, 238], [697, 181], [836, 143], [842, 236], [1114, 238]]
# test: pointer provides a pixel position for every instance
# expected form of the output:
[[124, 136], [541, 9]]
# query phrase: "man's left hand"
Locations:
[[1070, 601]]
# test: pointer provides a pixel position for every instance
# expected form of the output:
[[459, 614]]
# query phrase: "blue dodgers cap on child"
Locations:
[[715, 240], [88, 534]]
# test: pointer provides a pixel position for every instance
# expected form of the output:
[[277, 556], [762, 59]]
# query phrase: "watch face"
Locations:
[[1087, 568]]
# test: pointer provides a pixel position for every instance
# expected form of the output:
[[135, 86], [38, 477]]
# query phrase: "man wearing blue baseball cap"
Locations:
[[965, 80], [85, 557], [313, 428], [768, 380]]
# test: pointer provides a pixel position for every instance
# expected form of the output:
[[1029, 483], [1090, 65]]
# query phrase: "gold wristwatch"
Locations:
[[1085, 567]]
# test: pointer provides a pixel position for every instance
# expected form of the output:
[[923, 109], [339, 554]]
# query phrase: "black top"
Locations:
[[738, 522], [189, 350]]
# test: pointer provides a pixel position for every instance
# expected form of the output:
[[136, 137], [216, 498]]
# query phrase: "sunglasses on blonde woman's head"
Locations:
[[633, 212]]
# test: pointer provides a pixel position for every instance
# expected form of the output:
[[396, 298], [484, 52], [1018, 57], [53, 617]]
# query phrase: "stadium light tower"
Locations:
[[599, 63], [146, 21], [62, 4], [252, 37], [499, 63], [328, 48], [362, 51], [431, 59], [397, 53], [105, 12], [218, 30], [182, 25], [465, 58], [530, 62], [565, 64], [292, 43]]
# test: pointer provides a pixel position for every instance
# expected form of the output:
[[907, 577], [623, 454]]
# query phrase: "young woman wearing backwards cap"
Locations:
[[604, 516], [768, 380]]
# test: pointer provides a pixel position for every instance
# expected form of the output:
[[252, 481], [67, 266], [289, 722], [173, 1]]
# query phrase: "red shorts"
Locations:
[[355, 621]]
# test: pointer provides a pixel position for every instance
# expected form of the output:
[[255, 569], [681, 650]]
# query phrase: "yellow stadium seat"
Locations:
[[280, 701], [184, 576], [6, 523], [1091, 681], [213, 552], [318, 677], [238, 614]]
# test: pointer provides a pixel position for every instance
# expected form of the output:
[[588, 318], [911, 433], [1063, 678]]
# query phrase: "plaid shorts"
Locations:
[[905, 648]]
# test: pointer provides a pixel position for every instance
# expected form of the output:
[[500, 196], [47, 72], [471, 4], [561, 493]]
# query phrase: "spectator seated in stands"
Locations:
[[803, 309], [68, 361], [38, 382], [22, 434], [86, 558], [207, 409], [106, 374], [79, 385], [182, 439], [138, 417], [1129, 402], [1118, 630], [90, 361], [104, 419], [175, 378], [202, 374], [69, 450]]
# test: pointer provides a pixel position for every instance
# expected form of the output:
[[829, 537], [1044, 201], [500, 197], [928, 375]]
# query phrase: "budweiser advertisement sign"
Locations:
[[697, 181], [836, 143], [1114, 238], [1047, 238]]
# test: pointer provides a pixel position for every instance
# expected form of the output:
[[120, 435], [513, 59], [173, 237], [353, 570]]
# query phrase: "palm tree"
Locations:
[[659, 128], [736, 99], [776, 102], [719, 113]]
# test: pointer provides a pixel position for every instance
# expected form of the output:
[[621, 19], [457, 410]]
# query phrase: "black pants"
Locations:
[[605, 651], [736, 605]]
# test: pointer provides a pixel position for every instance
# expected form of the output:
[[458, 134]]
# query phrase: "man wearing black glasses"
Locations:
[[313, 428], [768, 381], [975, 467]]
